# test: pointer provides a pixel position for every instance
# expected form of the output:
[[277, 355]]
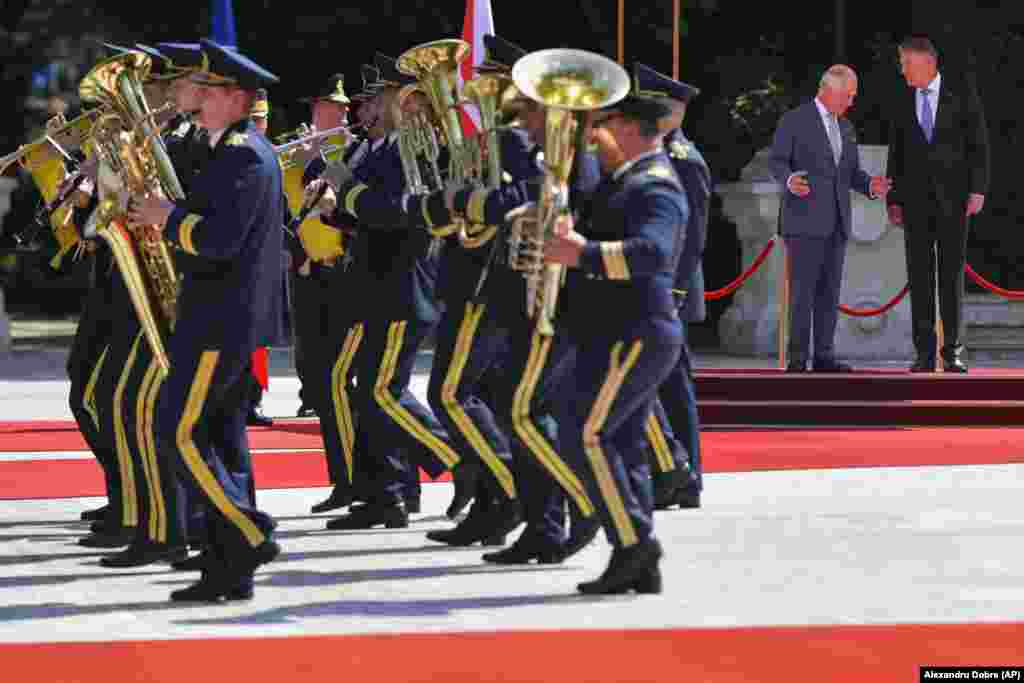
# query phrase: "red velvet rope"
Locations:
[[1006, 293], [868, 312], [735, 284]]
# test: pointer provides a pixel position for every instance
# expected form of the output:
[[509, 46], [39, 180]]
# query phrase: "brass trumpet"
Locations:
[[68, 138], [289, 153]]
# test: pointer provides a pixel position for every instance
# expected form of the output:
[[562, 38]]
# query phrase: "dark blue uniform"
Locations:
[[231, 223], [627, 269], [677, 391], [395, 272]]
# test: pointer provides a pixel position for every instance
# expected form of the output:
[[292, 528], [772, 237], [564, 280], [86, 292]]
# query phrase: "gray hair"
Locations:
[[837, 76]]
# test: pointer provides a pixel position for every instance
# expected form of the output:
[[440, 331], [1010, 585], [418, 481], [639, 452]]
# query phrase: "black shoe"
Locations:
[[952, 359], [955, 365], [192, 564], [256, 418], [581, 534], [923, 364], [796, 367], [526, 549], [831, 365], [465, 476], [633, 568], [305, 411], [392, 516], [413, 506], [337, 499], [687, 500], [142, 554], [115, 539], [665, 486], [214, 588], [262, 554], [485, 525], [95, 515]]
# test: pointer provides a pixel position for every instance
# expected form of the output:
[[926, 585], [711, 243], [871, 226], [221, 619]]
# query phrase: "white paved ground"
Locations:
[[936, 544]]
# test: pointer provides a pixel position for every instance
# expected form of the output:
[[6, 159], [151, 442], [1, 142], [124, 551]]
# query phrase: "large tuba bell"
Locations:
[[567, 83], [486, 92], [434, 66], [134, 163]]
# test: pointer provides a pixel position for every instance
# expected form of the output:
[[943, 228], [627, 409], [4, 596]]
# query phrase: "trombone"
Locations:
[[69, 137]]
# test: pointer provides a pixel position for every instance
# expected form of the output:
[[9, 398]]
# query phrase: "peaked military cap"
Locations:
[[260, 105], [223, 66], [162, 68], [649, 83], [500, 55], [333, 91], [187, 56], [389, 73]]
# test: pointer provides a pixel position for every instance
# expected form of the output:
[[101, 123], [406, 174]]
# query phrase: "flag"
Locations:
[[222, 20], [479, 22]]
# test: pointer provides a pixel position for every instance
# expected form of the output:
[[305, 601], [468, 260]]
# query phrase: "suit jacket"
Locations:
[[954, 165], [801, 144]]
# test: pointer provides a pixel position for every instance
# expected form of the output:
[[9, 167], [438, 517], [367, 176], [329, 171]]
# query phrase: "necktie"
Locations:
[[927, 117], [833, 137]]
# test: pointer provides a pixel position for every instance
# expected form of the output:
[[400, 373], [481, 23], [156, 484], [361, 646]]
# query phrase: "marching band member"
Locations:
[[396, 263], [625, 256], [231, 223], [677, 393], [161, 526]]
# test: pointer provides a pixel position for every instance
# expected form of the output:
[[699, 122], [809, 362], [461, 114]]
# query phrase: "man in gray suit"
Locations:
[[814, 155]]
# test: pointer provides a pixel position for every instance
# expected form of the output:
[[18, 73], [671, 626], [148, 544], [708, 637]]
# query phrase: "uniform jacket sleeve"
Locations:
[[655, 222], [220, 230]]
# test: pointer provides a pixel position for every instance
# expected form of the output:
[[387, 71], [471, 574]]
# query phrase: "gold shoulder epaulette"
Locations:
[[236, 139], [659, 171], [678, 150]]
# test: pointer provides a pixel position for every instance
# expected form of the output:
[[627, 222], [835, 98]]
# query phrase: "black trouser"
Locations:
[[88, 351], [403, 433], [313, 305], [679, 405], [201, 415], [469, 343], [927, 232]]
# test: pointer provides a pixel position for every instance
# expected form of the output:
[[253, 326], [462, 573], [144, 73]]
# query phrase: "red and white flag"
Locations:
[[479, 22]]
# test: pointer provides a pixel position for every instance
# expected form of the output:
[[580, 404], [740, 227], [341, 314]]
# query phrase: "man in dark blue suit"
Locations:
[[231, 223], [815, 157]]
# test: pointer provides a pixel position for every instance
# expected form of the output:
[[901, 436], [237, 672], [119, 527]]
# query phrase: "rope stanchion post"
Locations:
[[783, 295], [939, 331]]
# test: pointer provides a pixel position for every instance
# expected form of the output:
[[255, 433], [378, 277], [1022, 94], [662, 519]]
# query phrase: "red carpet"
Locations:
[[725, 451], [837, 654]]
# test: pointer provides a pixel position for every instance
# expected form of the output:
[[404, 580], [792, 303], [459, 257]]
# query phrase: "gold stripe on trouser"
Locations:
[[592, 443], [124, 455], [89, 395], [339, 394], [460, 356], [194, 461], [532, 437], [390, 405], [144, 405], [151, 443], [656, 437]]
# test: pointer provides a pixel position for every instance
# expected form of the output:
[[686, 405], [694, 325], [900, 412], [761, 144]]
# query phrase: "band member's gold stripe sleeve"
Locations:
[[352, 196], [614, 257], [185, 233]]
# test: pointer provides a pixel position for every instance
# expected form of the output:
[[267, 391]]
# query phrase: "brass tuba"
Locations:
[[486, 92], [567, 83], [434, 66], [134, 162]]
